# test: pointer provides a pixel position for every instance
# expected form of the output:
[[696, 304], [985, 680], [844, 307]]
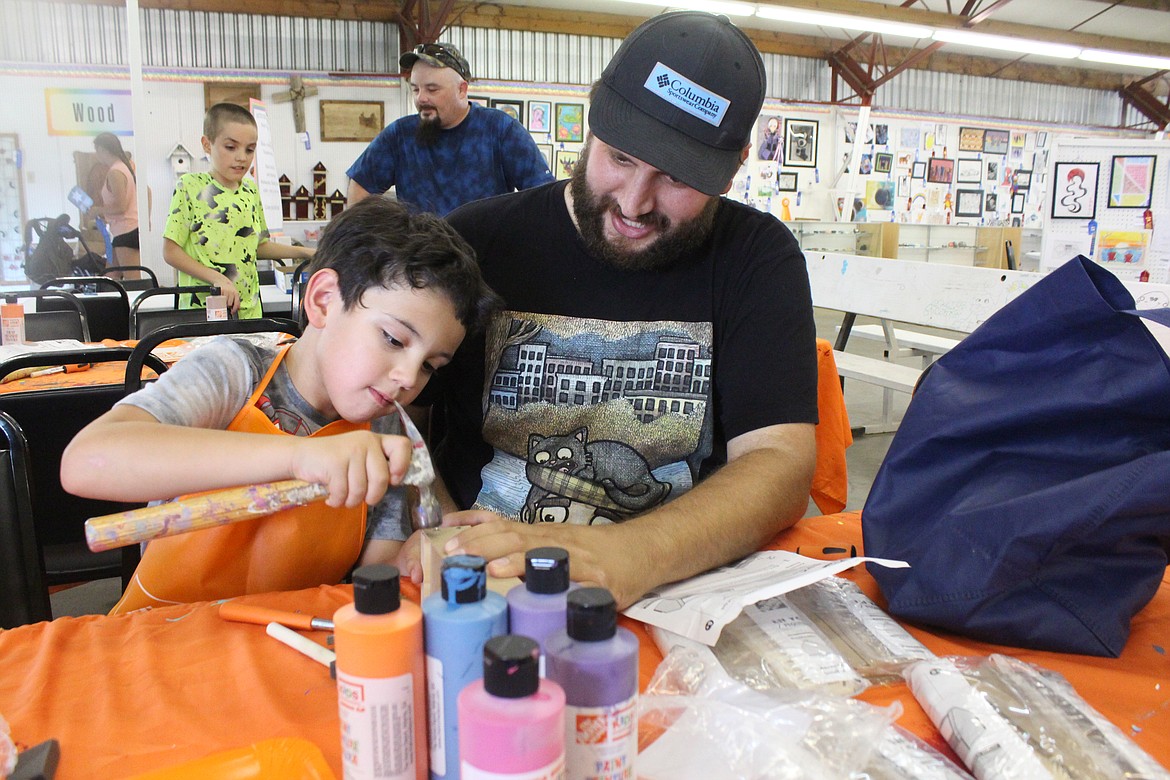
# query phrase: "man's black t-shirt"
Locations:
[[601, 393]]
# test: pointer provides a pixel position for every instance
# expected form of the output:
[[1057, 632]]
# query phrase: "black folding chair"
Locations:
[[22, 580], [148, 281], [50, 418], [144, 320], [187, 330], [107, 307], [59, 315]]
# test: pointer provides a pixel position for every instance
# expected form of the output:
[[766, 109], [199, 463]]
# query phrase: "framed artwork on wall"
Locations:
[[547, 151], [566, 160], [351, 120], [969, 171], [918, 171], [1022, 180], [991, 170], [969, 203], [1074, 190], [990, 202], [787, 181], [1018, 203], [883, 162], [513, 108], [971, 139], [800, 142], [480, 99], [1131, 182], [230, 92], [570, 125], [539, 116], [940, 170], [996, 141]]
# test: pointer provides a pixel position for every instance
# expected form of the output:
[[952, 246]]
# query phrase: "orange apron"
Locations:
[[297, 548]]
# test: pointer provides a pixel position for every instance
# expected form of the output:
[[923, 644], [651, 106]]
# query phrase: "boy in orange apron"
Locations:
[[391, 296]]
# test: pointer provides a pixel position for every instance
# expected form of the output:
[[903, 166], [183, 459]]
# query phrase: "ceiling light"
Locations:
[[854, 23], [1126, 58], [1004, 43], [725, 7]]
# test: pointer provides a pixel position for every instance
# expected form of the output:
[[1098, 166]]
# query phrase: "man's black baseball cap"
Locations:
[[437, 55]]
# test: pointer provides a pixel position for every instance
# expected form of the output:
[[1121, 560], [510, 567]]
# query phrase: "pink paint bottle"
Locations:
[[512, 722]]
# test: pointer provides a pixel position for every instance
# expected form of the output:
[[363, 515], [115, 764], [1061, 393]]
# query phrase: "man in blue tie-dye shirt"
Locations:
[[453, 151]]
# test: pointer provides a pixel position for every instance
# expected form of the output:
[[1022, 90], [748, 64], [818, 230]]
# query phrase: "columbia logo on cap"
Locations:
[[686, 95]]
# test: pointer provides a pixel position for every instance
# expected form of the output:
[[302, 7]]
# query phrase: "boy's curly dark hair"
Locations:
[[380, 242]]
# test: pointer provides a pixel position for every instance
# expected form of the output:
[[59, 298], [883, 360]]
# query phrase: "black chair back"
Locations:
[[147, 281], [108, 315], [26, 599], [144, 320], [59, 315], [50, 418]]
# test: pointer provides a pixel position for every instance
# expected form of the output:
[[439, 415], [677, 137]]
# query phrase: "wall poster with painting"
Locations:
[[800, 143], [570, 125], [1074, 190]]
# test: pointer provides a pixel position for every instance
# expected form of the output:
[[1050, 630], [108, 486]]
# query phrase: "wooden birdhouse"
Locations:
[[320, 207], [286, 201], [319, 185], [336, 203], [301, 203]]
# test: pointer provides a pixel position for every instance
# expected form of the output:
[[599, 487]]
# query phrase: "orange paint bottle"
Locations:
[[381, 691]]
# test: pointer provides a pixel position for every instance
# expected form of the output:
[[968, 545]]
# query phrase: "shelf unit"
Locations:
[[957, 244], [872, 239]]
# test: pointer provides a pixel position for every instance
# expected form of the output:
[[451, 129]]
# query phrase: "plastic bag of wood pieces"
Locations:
[[696, 722], [902, 756], [1007, 719]]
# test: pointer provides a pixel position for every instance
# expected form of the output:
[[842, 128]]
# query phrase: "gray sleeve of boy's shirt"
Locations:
[[207, 388]]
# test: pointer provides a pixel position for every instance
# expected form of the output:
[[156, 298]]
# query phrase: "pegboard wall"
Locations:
[[1109, 200]]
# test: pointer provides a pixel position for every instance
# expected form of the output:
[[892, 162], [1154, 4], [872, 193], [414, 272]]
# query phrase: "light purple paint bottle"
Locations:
[[597, 665], [536, 607]]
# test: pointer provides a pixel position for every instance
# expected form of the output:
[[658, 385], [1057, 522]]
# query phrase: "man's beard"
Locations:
[[428, 130], [674, 241]]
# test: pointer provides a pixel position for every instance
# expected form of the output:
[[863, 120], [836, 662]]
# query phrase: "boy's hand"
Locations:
[[230, 293], [357, 467]]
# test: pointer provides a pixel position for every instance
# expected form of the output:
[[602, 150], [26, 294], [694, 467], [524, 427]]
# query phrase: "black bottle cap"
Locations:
[[463, 579], [546, 570], [511, 666], [592, 614], [375, 589]]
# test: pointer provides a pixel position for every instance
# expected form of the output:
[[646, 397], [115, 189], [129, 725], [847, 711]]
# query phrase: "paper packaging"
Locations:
[[432, 554], [217, 307]]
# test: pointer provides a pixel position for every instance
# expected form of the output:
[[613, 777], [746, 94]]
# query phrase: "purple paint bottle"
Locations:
[[597, 665], [536, 607]]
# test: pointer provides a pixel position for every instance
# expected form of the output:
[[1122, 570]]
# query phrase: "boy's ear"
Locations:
[[321, 290], [206, 144]]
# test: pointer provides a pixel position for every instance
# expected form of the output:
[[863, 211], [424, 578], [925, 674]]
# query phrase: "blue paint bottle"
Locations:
[[457, 621]]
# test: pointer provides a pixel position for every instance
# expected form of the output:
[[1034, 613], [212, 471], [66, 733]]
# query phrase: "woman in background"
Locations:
[[119, 198]]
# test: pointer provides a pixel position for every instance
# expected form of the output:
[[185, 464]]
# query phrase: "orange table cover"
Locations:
[[153, 689]]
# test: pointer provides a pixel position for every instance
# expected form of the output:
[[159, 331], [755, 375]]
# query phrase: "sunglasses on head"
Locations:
[[443, 55]]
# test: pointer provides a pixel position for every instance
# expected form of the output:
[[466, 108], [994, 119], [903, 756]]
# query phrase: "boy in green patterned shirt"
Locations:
[[216, 230]]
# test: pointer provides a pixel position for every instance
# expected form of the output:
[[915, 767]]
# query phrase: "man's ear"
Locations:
[[322, 291], [742, 159], [462, 89]]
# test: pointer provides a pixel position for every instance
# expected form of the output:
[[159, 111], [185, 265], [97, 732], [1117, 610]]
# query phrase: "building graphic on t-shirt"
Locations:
[[674, 379]]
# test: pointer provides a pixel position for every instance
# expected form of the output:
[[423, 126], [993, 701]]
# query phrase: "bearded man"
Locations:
[[647, 400], [452, 151]]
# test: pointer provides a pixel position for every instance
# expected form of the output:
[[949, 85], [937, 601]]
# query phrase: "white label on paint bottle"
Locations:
[[436, 722], [553, 771], [377, 727], [601, 742]]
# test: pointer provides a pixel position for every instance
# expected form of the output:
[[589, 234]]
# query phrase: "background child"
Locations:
[[215, 229], [391, 296]]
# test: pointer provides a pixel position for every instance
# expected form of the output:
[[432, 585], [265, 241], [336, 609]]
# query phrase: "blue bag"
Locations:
[[1028, 485]]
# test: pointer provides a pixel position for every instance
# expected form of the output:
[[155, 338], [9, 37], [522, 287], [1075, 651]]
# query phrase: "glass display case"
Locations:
[[872, 239], [957, 244]]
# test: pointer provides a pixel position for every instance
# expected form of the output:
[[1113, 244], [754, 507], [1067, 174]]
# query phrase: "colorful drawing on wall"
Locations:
[[940, 170], [570, 122], [911, 137], [904, 159], [865, 167], [969, 171], [800, 142], [1123, 247], [881, 134], [566, 160], [996, 141], [539, 116], [918, 171], [1132, 182], [769, 138], [879, 195], [883, 162], [513, 108], [1074, 190], [970, 139], [992, 170], [969, 203], [1019, 139]]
